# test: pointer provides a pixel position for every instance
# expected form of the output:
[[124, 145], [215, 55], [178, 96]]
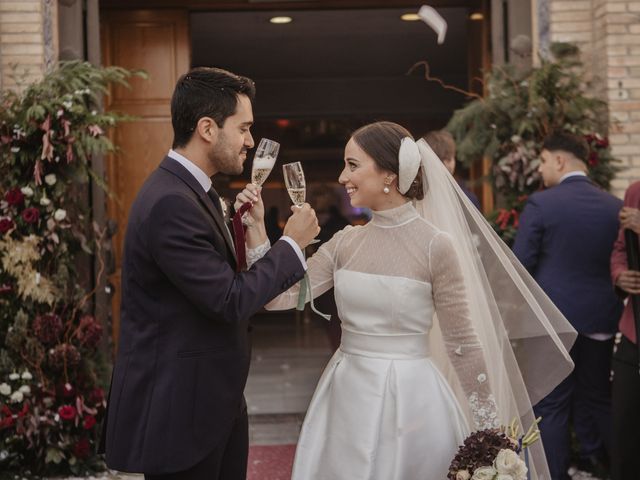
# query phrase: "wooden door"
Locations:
[[157, 42]]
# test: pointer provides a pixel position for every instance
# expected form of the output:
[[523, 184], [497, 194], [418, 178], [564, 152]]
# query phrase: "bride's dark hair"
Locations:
[[381, 141]]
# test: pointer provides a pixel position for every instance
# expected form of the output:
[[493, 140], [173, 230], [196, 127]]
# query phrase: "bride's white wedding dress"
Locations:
[[382, 410]]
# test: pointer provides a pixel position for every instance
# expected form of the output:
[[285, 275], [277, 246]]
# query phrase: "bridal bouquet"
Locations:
[[493, 454]]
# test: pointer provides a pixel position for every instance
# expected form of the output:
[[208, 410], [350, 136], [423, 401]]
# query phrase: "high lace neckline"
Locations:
[[394, 217]]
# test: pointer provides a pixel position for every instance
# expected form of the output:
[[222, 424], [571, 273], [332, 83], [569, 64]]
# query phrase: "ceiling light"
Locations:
[[281, 20], [476, 16], [410, 17]]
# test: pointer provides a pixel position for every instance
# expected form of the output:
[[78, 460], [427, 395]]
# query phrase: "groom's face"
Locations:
[[229, 152]]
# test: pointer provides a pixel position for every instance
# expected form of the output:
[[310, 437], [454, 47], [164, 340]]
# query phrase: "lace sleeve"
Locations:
[[460, 338], [320, 270], [255, 254]]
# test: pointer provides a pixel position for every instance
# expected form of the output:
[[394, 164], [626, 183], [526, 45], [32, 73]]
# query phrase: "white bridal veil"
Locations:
[[524, 336]]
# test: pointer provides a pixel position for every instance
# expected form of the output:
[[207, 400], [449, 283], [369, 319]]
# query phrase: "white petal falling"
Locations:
[[431, 17]]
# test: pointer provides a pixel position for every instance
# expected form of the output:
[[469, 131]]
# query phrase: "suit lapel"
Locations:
[[183, 174]]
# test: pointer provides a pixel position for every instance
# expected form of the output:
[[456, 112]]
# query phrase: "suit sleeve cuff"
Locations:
[[296, 248]]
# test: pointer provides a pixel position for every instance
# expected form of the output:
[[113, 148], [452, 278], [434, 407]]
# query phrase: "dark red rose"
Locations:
[[96, 396], [593, 159], [6, 224], [14, 197], [25, 410], [82, 448], [603, 143], [67, 412], [6, 422], [30, 215], [89, 422]]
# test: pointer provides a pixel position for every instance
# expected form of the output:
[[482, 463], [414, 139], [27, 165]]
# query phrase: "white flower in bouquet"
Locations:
[[25, 389], [14, 376], [27, 191], [27, 375], [50, 179], [463, 475], [5, 389], [509, 463], [60, 215], [504, 476], [17, 396], [484, 473], [44, 201]]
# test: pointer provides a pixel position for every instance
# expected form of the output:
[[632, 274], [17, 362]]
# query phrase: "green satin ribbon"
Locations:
[[305, 287]]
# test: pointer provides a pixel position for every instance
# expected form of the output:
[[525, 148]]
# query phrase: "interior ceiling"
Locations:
[[327, 43], [331, 71]]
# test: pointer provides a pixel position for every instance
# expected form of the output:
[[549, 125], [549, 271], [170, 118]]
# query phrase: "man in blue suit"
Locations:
[[565, 240]]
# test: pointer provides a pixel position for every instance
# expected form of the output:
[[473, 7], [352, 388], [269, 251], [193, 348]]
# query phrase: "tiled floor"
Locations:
[[289, 355]]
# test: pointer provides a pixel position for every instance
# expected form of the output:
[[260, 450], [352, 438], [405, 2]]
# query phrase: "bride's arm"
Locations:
[[320, 270], [461, 340]]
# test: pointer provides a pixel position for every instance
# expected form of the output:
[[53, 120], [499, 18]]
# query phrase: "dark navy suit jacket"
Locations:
[[184, 349], [565, 240]]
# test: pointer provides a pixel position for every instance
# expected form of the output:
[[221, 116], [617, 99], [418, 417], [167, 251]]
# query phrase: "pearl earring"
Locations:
[[386, 189]]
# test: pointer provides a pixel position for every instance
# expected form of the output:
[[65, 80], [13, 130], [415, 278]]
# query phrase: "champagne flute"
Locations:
[[297, 189], [296, 185], [264, 160]]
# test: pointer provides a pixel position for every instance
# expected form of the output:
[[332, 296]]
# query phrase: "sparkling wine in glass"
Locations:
[[294, 180], [296, 185], [264, 160]]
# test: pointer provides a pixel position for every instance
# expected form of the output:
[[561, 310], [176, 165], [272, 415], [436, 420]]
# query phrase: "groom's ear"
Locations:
[[207, 129]]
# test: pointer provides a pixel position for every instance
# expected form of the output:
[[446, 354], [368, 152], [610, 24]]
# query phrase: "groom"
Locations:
[[176, 407]]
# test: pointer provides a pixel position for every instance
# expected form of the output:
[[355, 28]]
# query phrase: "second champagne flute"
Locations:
[[296, 185]]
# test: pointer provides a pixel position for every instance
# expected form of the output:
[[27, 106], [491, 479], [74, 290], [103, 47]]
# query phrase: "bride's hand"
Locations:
[[251, 194]]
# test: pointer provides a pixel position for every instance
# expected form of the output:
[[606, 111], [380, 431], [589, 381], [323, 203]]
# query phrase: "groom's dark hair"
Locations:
[[205, 92]]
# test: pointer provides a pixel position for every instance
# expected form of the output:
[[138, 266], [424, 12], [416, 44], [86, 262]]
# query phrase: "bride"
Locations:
[[443, 331]]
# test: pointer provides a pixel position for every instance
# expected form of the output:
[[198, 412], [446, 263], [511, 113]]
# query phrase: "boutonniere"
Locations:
[[224, 204]]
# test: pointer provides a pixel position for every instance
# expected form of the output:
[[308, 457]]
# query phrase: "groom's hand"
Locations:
[[302, 226], [251, 194]]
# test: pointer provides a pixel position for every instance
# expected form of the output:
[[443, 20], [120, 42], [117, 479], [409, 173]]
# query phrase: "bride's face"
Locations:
[[363, 179]]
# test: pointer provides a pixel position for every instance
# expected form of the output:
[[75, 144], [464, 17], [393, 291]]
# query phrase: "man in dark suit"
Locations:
[[444, 146], [565, 239], [176, 407]]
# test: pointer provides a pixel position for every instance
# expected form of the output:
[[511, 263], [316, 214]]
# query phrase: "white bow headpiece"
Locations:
[[409, 163]]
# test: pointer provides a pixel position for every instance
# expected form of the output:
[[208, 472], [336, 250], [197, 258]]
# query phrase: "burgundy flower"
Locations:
[[14, 197], [47, 328], [30, 215], [82, 448], [5, 288], [96, 396], [90, 332], [6, 224], [6, 422], [593, 159], [67, 412], [89, 422]]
